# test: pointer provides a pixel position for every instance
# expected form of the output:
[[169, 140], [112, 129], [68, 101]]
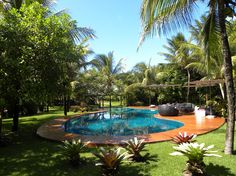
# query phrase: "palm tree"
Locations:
[[149, 78], [178, 54], [211, 64], [165, 16], [77, 62], [139, 70], [106, 65]]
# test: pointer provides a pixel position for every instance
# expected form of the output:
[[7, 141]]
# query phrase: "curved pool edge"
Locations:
[[53, 130]]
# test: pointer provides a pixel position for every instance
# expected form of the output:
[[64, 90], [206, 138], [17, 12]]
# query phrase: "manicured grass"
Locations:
[[113, 103], [31, 155]]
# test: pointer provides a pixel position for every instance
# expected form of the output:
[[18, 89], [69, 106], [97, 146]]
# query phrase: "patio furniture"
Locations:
[[168, 110], [185, 108], [210, 111]]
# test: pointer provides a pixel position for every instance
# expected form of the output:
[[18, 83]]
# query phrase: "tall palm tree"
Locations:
[[163, 16], [149, 78], [178, 54], [106, 65], [211, 64]]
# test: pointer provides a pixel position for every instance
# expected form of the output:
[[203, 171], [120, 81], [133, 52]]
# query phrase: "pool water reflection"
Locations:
[[120, 122]]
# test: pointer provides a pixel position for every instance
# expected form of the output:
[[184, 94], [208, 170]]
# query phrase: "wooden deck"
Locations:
[[54, 130]]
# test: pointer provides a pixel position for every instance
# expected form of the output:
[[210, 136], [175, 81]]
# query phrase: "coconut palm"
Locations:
[[165, 16], [210, 65], [106, 65], [178, 54]]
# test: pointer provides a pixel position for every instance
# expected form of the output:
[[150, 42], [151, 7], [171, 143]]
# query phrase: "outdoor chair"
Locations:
[[185, 108], [168, 110]]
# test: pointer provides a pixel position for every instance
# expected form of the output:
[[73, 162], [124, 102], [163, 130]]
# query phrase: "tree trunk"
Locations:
[[65, 105], [229, 142], [121, 100], [110, 101], [188, 85], [1, 116], [149, 97], [16, 110], [68, 104]]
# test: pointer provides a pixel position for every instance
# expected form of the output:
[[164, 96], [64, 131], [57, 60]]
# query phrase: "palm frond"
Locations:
[[162, 17]]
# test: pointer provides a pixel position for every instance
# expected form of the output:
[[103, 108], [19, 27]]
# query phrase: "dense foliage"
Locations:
[[37, 56]]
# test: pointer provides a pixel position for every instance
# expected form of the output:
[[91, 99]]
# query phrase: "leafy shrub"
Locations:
[[218, 105], [75, 108], [195, 153], [72, 150], [136, 93], [183, 138], [138, 103], [110, 160]]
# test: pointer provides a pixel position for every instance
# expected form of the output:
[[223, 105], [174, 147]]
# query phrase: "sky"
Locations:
[[117, 26]]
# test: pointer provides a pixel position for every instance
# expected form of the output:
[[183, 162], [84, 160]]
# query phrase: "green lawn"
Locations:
[[113, 103], [31, 155]]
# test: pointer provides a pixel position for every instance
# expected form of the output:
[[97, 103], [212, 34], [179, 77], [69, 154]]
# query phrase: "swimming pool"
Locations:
[[120, 122]]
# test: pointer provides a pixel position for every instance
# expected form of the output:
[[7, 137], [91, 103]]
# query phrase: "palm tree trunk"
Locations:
[[110, 101], [229, 142], [149, 97], [16, 110], [188, 85], [65, 105]]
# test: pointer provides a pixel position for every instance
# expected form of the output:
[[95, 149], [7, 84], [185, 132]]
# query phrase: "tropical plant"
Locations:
[[178, 54], [110, 160], [165, 16], [138, 70], [135, 147], [107, 67], [183, 138], [71, 150], [195, 153]]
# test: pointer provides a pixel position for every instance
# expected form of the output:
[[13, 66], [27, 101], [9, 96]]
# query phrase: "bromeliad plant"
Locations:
[[135, 147], [110, 160], [195, 153], [184, 138], [72, 150]]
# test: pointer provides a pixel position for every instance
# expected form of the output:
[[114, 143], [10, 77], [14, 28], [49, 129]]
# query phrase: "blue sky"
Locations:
[[117, 25]]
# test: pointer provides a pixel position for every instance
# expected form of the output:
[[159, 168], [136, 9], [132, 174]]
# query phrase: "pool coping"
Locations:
[[53, 129]]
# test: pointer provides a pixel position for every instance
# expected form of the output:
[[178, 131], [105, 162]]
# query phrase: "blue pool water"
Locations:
[[120, 122]]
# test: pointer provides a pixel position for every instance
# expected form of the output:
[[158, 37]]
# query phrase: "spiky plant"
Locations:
[[110, 160], [135, 147], [195, 153], [72, 150], [184, 138]]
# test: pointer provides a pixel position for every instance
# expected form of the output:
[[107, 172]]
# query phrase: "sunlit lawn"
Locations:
[[32, 155], [113, 103]]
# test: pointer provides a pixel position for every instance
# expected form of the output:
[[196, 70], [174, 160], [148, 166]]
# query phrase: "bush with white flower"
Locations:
[[195, 153]]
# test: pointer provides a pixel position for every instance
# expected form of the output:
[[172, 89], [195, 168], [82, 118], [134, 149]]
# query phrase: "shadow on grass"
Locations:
[[217, 170], [137, 169], [42, 158], [33, 156]]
